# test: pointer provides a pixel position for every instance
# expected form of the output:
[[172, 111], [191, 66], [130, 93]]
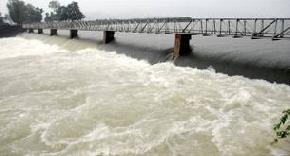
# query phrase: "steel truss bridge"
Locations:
[[182, 27], [275, 28]]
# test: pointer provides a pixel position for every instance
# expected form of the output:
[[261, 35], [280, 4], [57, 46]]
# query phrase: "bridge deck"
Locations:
[[276, 28]]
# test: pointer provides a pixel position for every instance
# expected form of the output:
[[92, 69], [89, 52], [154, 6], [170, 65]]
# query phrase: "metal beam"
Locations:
[[236, 27]]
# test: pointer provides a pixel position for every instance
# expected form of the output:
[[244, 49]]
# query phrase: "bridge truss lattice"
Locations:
[[276, 28]]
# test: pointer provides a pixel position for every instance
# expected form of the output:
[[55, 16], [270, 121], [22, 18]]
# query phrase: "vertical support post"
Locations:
[[174, 23], [282, 28], [254, 34], [221, 21], [108, 36], [237, 28], [245, 27], [206, 20], [229, 23], [192, 27], [275, 28], [201, 26], [73, 33], [220, 31], [262, 27], [30, 30], [214, 30], [40, 31], [237, 25], [181, 45], [255, 26], [53, 32]]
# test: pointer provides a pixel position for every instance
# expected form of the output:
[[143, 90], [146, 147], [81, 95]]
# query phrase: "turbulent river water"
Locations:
[[56, 101]]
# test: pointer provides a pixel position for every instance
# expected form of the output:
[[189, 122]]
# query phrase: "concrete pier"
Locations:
[[237, 36], [73, 33], [30, 31], [182, 45], [40, 31], [108, 36], [53, 32]]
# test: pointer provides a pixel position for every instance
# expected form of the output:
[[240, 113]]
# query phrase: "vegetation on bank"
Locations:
[[61, 13], [282, 128], [21, 13]]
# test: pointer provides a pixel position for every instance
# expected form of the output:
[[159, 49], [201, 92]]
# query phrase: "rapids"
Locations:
[[57, 101]]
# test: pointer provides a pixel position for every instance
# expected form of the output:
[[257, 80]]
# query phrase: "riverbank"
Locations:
[[10, 31]]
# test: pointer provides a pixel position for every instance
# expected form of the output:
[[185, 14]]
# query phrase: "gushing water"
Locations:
[[55, 101]]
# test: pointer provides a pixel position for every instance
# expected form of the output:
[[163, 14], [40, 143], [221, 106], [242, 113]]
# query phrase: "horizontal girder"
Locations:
[[236, 27]]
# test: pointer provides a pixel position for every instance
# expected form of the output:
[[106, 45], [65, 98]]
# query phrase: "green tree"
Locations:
[[17, 9], [74, 12], [61, 13], [47, 17], [53, 16], [54, 5], [282, 128], [33, 14], [22, 13]]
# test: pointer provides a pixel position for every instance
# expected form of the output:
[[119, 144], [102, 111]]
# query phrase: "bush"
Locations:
[[282, 129]]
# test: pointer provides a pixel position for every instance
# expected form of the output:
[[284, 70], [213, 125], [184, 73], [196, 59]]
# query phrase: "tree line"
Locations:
[[61, 13], [21, 13]]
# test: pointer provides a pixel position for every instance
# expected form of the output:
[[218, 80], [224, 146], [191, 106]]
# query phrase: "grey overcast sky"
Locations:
[[157, 8]]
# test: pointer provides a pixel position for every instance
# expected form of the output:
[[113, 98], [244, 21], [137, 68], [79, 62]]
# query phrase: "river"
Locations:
[[66, 97]]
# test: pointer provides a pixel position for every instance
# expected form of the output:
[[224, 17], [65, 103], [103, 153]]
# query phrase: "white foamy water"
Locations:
[[56, 102]]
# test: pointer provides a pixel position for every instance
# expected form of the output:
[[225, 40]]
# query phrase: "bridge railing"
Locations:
[[236, 27]]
